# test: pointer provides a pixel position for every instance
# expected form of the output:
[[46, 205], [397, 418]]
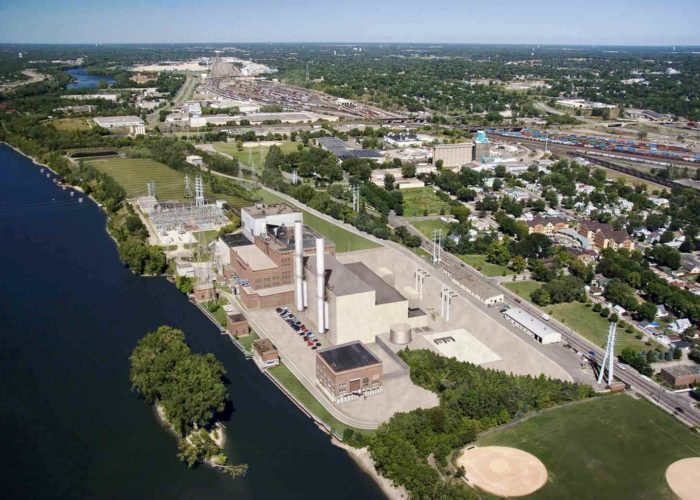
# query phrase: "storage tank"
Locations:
[[400, 334]]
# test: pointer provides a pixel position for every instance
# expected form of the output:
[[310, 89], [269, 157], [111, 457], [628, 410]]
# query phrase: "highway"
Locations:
[[676, 404]]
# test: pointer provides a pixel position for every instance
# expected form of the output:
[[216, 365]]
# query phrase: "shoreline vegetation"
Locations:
[[189, 395]]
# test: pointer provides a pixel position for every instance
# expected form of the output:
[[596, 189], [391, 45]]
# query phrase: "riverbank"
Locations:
[[363, 459]]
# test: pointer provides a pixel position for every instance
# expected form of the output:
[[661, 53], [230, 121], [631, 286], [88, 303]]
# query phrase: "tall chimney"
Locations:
[[298, 265], [320, 284]]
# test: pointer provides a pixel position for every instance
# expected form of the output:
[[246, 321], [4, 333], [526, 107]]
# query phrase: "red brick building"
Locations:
[[204, 292], [237, 325], [265, 353], [348, 371], [603, 235]]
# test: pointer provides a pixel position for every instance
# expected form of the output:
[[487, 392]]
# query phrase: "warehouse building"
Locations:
[[538, 329], [453, 155], [118, 121], [343, 151], [348, 371]]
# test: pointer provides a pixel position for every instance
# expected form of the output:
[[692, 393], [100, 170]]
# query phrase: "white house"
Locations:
[[680, 325]]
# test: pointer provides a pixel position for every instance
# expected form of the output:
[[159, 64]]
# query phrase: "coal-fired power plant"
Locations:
[[299, 265]]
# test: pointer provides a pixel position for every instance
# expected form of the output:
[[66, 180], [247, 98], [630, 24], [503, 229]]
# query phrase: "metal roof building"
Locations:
[[541, 331]]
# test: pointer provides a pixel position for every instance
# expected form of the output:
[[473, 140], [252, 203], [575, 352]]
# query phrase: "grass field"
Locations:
[[257, 153], [247, 342], [580, 318], [610, 447], [302, 394], [344, 240], [69, 124], [134, 173], [417, 200], [428, 226], [479, 262]]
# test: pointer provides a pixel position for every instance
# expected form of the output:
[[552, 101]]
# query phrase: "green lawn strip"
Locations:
[[417, 200], [479, 263], [344, 240], [428, 226], [580, 318], [302, 394], [247, 342], [134, 173], [611, 447]]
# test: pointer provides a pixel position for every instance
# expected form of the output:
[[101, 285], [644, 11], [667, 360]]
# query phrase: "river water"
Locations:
[[85, 80], [70, 314]]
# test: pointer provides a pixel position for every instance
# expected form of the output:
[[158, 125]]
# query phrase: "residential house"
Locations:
[[690, 263], [680, 325]]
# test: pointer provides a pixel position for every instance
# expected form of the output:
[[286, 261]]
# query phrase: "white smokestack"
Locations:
[[298, 265], [320, 283]]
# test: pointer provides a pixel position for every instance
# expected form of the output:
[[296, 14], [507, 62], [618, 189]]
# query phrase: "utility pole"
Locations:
[[356, 198], [151, 187], [188, 188], [446, 296]]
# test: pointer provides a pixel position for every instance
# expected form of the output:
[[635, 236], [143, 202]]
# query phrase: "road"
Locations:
[[667, 400]]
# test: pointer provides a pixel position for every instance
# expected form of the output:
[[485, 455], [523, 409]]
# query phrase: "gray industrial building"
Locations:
[[342, 150]]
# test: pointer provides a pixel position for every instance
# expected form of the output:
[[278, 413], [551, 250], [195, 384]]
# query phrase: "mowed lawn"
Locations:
[[479, 262], [344, 240], [257, 154], [428, 226], [417, 200], [68, 124], [580, 318], [302, 394], [610, 447], [134, 173]]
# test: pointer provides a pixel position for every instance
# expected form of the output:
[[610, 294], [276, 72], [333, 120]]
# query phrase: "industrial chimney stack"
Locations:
[[320, 284], [299, 265]]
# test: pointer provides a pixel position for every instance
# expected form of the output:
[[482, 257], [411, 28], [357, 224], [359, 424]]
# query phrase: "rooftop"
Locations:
[[284, 239], [536, 326], [254, 258], [235, 240], [348, 356], [680, 370], [263, 346], [385, 293], [236, 317], [339, 279], [260, 210]]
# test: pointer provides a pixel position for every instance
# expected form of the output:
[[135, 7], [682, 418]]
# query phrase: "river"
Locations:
[[70, 426], [83, 80]]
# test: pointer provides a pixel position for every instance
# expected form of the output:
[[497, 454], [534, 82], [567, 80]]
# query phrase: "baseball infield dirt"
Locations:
[[502, 471], [683, 478]]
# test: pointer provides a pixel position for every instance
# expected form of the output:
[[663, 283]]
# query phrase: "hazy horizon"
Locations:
[[500, 22]]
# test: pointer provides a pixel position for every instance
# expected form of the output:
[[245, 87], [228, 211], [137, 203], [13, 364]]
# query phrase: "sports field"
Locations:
[[417, 201], [608, 447]]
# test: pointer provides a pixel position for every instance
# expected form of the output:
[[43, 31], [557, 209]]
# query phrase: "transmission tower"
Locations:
[[437, 246], [198, 191], [420, 275], [307, 71], [295, 176], [356, 198], [151, 186], [609, 355], [188, 188]]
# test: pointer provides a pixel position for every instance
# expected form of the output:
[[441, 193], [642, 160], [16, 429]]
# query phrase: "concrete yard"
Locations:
[[514, 350]]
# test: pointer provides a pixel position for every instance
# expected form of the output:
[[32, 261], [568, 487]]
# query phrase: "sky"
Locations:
[[585, 22]]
